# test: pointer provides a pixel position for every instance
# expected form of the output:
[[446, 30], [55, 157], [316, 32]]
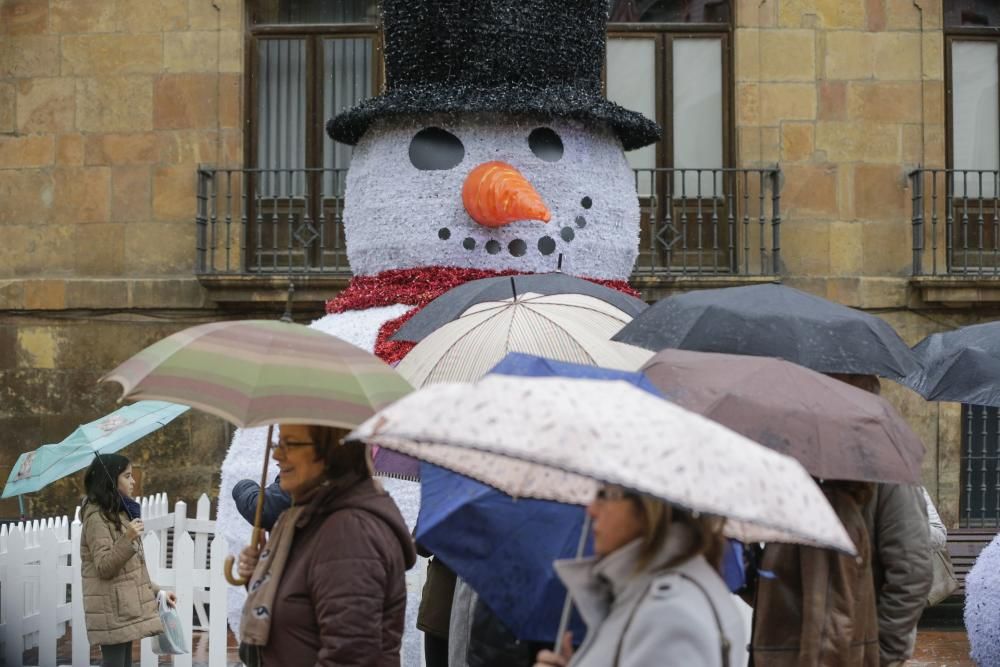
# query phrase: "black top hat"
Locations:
[[534, 57]]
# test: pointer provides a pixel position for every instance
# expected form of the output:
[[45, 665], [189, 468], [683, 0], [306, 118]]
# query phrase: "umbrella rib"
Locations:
[[569, 338], [452, 344]]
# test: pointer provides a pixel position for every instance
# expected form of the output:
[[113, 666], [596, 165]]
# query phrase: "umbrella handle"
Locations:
[[236, 580], [568, 604], [227, 569]]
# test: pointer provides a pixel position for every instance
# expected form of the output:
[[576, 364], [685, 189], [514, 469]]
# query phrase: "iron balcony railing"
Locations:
[[956, 222], [694, 222]]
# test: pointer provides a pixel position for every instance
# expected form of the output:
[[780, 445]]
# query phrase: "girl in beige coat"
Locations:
[[119, 600]]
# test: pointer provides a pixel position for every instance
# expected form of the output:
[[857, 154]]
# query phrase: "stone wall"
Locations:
[[106, 109], [848, 97]]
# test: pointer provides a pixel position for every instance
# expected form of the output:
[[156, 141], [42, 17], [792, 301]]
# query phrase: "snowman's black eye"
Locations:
[[546, 144], [433, 149]]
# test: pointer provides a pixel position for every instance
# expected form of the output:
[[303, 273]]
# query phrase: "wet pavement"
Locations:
[[935, 648], [941, 648]]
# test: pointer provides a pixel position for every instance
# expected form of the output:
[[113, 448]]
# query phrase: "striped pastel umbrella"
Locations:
[[257, 372]]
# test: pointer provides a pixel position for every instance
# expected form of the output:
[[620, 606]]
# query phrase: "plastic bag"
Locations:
[[171, 640]]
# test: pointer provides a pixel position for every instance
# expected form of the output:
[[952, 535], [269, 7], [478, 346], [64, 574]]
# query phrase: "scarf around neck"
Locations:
[[255, 624], [132, 508]]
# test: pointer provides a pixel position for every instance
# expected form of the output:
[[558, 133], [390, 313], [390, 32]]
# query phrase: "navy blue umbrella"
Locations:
[[504, 547]]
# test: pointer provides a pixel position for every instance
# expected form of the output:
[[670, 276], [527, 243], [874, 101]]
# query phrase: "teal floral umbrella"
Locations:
[[37, 469]]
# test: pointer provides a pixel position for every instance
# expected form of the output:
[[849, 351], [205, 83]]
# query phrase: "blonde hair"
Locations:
[[656, 518]]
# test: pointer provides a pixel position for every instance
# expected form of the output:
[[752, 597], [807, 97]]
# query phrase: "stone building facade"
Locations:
[[108, 108]]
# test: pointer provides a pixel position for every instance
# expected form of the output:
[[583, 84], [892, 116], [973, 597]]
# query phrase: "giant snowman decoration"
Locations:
[[491, 151], [982, 606]]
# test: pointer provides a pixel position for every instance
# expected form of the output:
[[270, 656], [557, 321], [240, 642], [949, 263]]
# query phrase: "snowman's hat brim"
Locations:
[[633, 129]]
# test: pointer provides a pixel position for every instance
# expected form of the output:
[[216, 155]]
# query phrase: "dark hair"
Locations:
[[859, 492], [101, 484], [340, 459]]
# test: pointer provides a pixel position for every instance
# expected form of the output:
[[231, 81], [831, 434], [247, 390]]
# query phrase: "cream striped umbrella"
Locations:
[[566, 327]]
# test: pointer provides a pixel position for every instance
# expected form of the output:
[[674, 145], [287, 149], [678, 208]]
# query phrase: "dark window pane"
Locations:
[[315, 11], [670, 11], [980, 500], [971, 13]]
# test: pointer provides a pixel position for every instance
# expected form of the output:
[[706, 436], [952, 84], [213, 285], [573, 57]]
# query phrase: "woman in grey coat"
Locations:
[[652, 595]]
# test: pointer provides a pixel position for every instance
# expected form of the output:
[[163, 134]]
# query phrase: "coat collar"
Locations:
[[598, 584]]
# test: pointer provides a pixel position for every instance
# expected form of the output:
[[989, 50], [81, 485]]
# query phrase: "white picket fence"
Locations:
[[41, 588]]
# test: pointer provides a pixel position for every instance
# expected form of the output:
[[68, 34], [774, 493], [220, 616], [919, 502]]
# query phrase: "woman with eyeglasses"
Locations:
[[328, 586], [652, 595], [119, 599]]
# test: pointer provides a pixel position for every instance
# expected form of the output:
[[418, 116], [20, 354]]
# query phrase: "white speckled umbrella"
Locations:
[[566, 327], [559, 439]]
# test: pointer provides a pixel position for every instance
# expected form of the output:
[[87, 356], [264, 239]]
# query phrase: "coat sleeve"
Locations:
[[676, 630], [276, 501], [109, 551], [347, 580], [901, 544]]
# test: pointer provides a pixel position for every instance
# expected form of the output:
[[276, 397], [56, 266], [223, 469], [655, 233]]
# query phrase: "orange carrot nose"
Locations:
[[496, 194]]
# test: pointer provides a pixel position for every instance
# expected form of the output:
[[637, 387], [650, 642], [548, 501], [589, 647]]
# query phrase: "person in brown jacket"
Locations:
[[119, 600], [328, 587], [816, 607], [902, 569]]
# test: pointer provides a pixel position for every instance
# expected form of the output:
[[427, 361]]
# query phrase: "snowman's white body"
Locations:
[[393, 217]]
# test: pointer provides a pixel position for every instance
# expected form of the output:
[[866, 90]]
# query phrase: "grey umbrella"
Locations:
[[962, 365], [774, 321], [450, 305]]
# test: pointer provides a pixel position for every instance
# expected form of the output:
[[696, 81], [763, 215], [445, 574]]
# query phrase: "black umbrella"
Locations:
[[962, 365], [450, 305], [774, 321]]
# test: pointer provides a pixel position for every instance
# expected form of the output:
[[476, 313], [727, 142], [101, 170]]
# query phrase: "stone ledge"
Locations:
[[958, 291], [51, 294], [310, 289], [654, 288]]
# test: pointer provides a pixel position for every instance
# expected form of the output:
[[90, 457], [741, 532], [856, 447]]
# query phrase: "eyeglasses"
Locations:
[[606, 493], [284, 445]]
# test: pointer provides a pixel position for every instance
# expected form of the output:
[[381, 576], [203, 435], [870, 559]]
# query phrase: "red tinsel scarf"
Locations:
[[417, 287]]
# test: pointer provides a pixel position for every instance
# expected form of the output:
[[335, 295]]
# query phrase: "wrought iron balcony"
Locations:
[[956, 222], [695, 222]]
